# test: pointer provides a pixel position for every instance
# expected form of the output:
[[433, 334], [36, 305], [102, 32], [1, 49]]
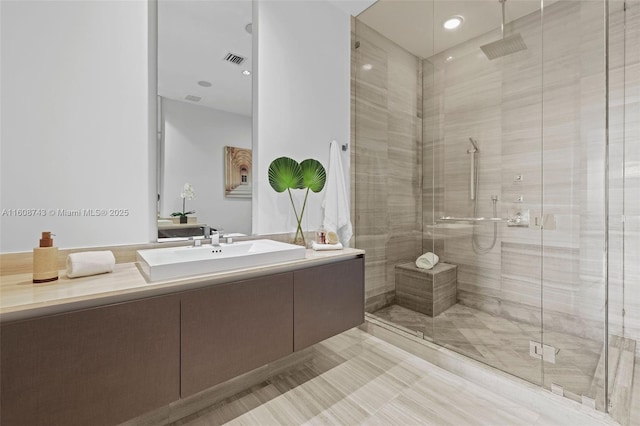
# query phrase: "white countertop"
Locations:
[[20, 298]]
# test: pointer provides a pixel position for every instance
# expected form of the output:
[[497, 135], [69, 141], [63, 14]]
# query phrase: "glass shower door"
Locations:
[[624, 212], [485, 137], [573, 202]]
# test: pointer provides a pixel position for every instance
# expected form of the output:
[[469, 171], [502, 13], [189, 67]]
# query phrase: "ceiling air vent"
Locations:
[[193, 98], [234, 59]]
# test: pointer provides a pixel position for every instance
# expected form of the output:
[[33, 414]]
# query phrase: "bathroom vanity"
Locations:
[[101, 350]]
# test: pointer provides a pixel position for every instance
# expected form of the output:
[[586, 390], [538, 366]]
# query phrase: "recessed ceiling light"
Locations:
[[449, 58], [249, 28], [453, 22], [204, 83], [246, 72], [367, 67]]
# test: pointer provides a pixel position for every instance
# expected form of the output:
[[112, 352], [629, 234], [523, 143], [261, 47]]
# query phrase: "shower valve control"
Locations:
[[518, 217]]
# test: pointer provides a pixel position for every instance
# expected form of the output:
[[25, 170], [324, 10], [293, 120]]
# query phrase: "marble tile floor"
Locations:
[[356, 378], [504, 344]]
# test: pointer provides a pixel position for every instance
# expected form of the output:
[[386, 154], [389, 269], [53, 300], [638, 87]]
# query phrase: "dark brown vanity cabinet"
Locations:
[[328, 300], [233, 328], [108, 364], [99, 366]]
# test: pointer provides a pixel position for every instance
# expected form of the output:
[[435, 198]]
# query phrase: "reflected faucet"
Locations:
[[215, 238]]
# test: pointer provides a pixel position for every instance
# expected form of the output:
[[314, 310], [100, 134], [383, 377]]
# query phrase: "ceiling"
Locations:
[[352, 7], [416, 25], [193, 38], [195, 35]]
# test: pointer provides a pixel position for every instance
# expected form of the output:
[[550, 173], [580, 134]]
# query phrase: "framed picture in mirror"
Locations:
[[237, 172]]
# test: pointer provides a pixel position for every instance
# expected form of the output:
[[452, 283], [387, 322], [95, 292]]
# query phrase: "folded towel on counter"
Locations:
[[321, 247], [427, 261], [90, 263]]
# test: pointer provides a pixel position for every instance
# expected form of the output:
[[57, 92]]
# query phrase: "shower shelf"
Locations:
[[451, 219]]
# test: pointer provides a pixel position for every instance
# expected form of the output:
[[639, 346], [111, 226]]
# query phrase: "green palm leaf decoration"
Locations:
[[313, 175], [287, 174]]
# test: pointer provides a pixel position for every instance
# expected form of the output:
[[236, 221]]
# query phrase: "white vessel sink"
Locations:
[[176, 262]]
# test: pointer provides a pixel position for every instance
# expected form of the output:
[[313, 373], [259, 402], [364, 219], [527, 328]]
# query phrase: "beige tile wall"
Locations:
[[539, 113], [386, 159]]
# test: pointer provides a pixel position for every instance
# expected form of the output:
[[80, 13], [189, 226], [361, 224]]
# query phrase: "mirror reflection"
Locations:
[[205, 123]]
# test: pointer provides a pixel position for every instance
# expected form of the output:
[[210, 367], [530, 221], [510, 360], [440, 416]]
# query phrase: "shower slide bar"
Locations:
[[517, 218]]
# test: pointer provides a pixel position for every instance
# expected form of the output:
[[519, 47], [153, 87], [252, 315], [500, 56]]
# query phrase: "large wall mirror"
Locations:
[[205, 122]]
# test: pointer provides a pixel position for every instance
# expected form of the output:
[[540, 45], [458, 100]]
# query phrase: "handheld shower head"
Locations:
[[475, 146], [473, 169]]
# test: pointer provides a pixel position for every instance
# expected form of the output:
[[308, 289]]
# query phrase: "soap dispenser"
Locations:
[[45, 260]]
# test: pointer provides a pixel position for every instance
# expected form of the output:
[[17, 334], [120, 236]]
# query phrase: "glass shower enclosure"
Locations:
[[509, 148]]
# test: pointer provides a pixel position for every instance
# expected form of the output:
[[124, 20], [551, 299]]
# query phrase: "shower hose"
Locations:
[[477, 248]]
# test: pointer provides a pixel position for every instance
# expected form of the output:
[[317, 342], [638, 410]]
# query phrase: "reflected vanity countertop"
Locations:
[[21, 299], [181, 225]]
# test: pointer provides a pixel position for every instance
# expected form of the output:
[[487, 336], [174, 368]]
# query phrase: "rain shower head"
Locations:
[[506, 45]]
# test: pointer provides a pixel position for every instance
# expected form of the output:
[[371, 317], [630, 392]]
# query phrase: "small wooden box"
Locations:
[[428, 291]]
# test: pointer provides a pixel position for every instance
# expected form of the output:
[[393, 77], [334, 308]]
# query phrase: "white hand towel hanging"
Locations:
[[336, 200]]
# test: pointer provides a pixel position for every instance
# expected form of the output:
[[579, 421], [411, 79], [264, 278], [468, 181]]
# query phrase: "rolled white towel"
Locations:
[[90, 263], [427, 261], [321, 247]]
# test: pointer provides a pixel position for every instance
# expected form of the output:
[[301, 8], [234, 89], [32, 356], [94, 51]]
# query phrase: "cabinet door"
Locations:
[[328, 300], [233, 328], [99, 366]]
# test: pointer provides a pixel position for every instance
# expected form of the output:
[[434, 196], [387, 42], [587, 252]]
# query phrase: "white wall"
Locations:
[[77, 80], [75, 121], [303, 98], [194, 143]]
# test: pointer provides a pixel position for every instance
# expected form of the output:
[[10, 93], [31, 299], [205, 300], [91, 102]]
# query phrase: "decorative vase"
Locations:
[[183, 219], [299, 241]]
